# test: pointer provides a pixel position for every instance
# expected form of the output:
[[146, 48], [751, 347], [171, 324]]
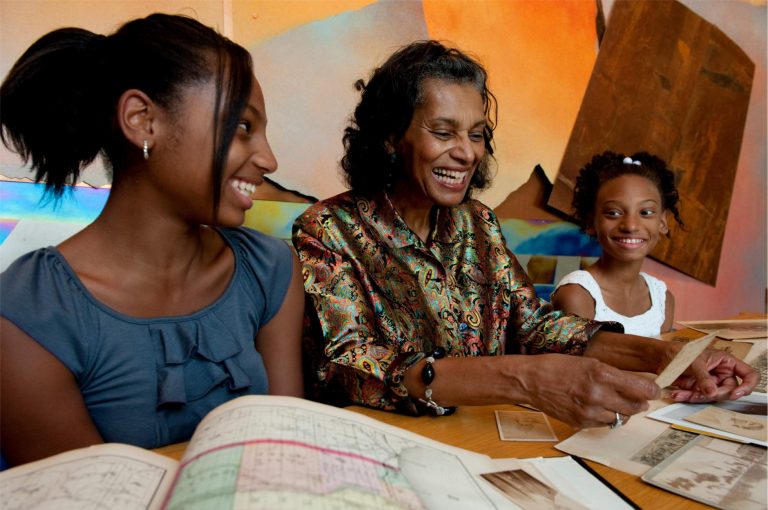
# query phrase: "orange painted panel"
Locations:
[[539, 56]]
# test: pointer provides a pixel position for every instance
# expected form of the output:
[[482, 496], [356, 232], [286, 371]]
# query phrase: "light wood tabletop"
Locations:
[[474, 428]]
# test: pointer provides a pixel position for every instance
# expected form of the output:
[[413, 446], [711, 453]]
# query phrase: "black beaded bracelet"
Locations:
[[428, 372], [427, 376]]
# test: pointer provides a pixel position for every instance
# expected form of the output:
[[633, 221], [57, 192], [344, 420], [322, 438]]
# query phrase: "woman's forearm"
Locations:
[[631, 352], [578, 390], [481, 380]]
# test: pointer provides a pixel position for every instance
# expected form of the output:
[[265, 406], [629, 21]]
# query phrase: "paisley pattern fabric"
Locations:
[[149, 381], [383, 297]]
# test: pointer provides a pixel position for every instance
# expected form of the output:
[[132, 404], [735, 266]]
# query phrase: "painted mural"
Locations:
[[308, 54], [547, 249]]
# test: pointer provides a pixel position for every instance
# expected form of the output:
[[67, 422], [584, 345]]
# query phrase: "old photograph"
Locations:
[[524, 426], [665, 444], [528, 492], [677, 414], [730, 421], [731, 329], [720, 473], [760, 364]]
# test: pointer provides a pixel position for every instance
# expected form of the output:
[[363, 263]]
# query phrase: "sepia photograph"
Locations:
[[731, 329], [664, 445], [633, 448], [754, 404], [749, 425], [720, 473], [682, 360], [760, 364], [528, 492], [524, 426]]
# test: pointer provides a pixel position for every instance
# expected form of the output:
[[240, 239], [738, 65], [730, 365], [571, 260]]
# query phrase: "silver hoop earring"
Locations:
[[146, 149]]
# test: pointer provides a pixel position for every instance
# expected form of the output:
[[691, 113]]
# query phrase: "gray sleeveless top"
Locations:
[[149, 381]]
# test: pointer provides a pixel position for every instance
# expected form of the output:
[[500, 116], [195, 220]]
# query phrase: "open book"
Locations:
[[283, 452]]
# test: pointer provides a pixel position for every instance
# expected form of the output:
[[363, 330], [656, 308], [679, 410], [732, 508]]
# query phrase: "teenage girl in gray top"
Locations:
[[163, 307]]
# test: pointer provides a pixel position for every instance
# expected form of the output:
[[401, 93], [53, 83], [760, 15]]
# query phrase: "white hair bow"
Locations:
[[630, 161]]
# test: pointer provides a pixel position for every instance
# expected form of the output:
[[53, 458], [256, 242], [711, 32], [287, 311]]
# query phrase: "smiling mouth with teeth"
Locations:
[[244, 188], [624, 240], [449, 176]]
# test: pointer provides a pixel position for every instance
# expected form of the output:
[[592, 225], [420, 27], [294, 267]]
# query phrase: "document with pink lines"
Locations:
[[262, 452], [282, 452], [285, 453]]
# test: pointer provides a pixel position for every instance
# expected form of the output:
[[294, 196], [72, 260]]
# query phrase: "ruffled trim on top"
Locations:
[[197, 356]]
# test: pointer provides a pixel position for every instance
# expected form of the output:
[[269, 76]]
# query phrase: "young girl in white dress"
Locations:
[[624, 202]]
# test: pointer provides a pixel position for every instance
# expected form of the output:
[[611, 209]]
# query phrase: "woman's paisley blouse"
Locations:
[[383, 297]]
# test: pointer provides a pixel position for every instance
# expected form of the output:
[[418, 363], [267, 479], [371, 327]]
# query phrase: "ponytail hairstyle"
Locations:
[[609, 165], [49, 113], [59, 99]]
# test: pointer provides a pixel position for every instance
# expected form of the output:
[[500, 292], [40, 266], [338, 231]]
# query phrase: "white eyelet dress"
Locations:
[[647, 323]]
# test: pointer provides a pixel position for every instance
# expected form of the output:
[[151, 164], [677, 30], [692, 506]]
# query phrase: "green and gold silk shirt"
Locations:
[[383, 297]]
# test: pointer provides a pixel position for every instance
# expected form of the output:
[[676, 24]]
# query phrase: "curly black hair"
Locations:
[[609, 165], [386, 108]]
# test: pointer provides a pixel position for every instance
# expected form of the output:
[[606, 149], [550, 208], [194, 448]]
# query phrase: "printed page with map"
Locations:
[[113, 476], [263, 452], [282, 452]]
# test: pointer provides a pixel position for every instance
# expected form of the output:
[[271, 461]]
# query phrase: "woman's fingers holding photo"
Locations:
[[587, 393]]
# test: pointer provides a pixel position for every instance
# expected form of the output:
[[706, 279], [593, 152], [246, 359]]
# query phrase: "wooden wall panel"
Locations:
[[668, 82]]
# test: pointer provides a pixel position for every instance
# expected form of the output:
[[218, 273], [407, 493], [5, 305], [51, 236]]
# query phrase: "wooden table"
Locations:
[[474, 428]]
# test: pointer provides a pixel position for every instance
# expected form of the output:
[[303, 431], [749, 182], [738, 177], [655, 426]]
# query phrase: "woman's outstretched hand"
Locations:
[[585, 392]]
